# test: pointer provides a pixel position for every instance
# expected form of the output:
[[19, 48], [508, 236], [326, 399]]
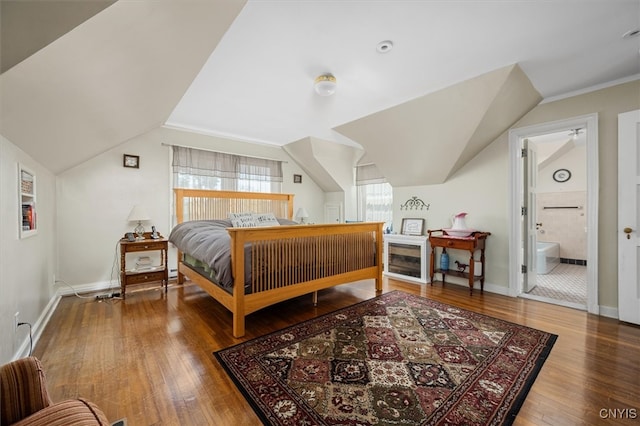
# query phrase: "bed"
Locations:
[[270, 264]]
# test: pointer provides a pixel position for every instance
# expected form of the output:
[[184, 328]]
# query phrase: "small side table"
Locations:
[[132, 275], [475, 241]]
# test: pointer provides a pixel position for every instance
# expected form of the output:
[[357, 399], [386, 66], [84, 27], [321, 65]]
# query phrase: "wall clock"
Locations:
[[131, 161], [561, 175]]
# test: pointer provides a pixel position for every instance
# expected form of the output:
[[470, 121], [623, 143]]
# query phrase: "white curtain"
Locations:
[[375, 196], [200, 169]]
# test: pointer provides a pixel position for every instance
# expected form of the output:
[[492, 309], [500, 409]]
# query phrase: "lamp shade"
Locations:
[[325, 85], [138, 214], [302, 213]]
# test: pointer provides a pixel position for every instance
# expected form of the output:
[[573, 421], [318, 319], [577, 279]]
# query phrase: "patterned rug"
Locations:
[[397, 359]]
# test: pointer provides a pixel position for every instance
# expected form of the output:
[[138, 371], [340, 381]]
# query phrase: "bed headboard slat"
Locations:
[[198, 204]]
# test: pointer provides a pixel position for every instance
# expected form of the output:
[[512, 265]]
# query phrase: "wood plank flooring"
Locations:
[[150, 359]]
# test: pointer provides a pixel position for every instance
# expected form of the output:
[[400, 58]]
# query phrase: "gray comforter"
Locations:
[[209, 242]]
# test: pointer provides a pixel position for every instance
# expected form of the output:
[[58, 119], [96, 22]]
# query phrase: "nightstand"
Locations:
[[135, 274]]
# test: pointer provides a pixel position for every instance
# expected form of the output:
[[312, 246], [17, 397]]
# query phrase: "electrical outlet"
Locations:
[[16, 320]]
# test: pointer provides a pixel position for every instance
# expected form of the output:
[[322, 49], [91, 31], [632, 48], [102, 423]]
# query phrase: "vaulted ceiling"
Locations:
[[115, 76], [459, 74], [28, 26]]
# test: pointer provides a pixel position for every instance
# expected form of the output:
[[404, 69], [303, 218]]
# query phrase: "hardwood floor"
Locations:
[[150, 359]]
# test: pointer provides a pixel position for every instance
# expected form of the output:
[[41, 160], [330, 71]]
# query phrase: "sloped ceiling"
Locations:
[[28, 26], [246, 71], [552, 146], [115, 76], [329, 164], [433, 136]]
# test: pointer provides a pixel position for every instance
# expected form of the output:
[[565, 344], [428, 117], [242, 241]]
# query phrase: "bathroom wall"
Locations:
[[566, 226]]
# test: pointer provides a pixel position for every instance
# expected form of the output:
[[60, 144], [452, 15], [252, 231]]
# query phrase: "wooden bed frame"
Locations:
[[340, 252]]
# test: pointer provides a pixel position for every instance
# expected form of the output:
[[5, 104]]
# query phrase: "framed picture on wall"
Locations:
[[132, 161], [412, 226], [297, 178]]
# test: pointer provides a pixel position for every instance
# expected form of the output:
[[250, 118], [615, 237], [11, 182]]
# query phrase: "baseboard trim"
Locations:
[[609, 312], [64, 289], [488, 287], [38, 327]]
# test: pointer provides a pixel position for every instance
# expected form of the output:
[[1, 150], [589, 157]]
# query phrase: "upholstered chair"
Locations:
[[24, 399]]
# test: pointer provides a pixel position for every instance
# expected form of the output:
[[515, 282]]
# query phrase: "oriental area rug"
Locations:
[[397, 359]]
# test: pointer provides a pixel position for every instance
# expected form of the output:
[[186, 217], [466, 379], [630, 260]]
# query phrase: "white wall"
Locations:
[[94, 200], [564, 226], [575, 161], [567, 227], [27, 265], [480, 188], [608, 103]]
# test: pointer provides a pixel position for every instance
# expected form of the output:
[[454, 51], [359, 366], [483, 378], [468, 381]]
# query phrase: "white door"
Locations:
[[628, 218], [332, 213], [529, 227]]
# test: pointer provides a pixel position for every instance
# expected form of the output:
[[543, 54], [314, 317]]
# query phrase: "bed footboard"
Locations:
[[289, 261]]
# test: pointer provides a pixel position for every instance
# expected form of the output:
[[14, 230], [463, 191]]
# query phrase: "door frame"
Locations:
[[590, 123], [528, 227]]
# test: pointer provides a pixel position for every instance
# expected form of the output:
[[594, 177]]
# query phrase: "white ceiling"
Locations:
[[257, 84], [552, 146]]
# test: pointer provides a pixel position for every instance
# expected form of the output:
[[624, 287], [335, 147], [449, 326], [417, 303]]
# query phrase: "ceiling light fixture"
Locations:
[[384, 46], [325, 85], [575, 133]]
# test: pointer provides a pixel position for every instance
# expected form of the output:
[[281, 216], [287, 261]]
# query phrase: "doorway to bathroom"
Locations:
[[559, 237], [553, 245]]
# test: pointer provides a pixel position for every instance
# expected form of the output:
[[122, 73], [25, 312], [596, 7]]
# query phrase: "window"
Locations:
[[375, 196], [200, 169]]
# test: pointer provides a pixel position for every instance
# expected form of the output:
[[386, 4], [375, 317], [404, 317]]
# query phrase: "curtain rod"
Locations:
[[224, 152]]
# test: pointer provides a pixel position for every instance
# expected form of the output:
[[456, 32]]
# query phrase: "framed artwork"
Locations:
[[132, 161], [561, 175], [412, 226], [297, 178]]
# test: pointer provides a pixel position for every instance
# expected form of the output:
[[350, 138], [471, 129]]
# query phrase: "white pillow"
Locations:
[[265, 219], [243, 220]]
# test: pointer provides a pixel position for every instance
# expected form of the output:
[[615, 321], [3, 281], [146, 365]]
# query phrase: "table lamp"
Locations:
[[138, 214], [302, 214]]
